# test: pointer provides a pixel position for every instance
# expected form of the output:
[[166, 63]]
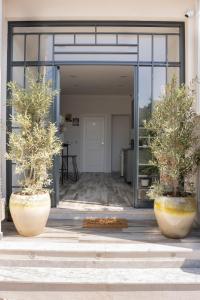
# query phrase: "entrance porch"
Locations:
[[68, 261]]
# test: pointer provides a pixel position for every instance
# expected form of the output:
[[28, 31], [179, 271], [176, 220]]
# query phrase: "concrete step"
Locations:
[[90, 279], [31, 270], [98, 250], [76, 262], [97, 255], [125, 213]]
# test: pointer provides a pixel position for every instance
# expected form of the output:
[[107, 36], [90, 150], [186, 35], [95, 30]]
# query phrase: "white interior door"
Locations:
[[93, 144], [120, 138]]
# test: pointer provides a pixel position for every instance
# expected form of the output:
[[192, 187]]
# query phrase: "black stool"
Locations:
[[75, 174], [65, 165]]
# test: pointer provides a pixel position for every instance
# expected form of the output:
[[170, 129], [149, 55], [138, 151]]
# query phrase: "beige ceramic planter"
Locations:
[[30, 213], [175, 215]]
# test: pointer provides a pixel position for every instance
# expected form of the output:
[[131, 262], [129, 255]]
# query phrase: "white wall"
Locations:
[[92, 105], [101, 10]]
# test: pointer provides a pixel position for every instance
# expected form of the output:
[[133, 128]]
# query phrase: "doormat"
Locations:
[[105, 223]]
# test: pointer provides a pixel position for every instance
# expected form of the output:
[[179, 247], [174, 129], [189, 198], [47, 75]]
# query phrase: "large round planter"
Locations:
[[175, 215], [30, 212]]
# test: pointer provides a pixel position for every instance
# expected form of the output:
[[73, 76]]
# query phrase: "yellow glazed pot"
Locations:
[[30, 212], [175, 215]]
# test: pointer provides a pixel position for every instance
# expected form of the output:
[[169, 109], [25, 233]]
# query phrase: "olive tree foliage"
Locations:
[[33, 146], [175, 139]]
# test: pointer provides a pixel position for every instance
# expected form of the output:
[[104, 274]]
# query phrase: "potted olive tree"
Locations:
[[175, 148], [32, 148]]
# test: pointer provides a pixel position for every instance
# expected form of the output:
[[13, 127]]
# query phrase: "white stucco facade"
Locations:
[[127, 10]]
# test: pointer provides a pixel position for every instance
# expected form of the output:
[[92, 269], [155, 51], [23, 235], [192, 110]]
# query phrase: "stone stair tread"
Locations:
[[86, 262], [36, 245]]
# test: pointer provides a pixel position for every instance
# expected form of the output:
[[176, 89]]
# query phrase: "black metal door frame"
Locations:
[[12, 24]]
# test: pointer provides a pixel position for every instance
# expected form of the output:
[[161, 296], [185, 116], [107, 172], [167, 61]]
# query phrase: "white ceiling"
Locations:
[[96, 80]]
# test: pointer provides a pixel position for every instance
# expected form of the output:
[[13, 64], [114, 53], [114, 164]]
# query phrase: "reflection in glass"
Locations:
[[33, 72], [127, 39], [144, 156], [18, 48], [32, 47], [46, 47], [159, 48], [55, 29], [173, 48], [16, 178], [64, 39], [173, 71], [96, 57], [86, 49], [18, 75], [144, 94], [136, 29], [106, 39], [145, 47], [159, 82], [85, 39], [47, 72]]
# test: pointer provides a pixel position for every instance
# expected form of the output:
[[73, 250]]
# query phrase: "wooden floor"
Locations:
[[98, 189]]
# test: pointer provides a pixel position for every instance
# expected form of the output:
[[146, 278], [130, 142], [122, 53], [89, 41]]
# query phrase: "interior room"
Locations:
[[96, 131]]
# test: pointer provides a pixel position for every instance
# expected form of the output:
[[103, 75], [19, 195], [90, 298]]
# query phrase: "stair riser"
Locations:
[[99, 295], [101, 264], [97, 287], [97, 255]]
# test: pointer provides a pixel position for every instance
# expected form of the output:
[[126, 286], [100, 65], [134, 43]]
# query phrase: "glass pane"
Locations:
[[18, 47], [46, 47], [18, 75], [159, 82], [32, 47], [127, 39], [121, 29], [85, 39], [111, 29], [173, 71], [106, 39], [173, 48], [83, 49], [15, 177], [54, 29], [145, 48], [159, 48], [64, 39], [95, 57], [33, 72], [47, 72], [144, 156], [144, 94]]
